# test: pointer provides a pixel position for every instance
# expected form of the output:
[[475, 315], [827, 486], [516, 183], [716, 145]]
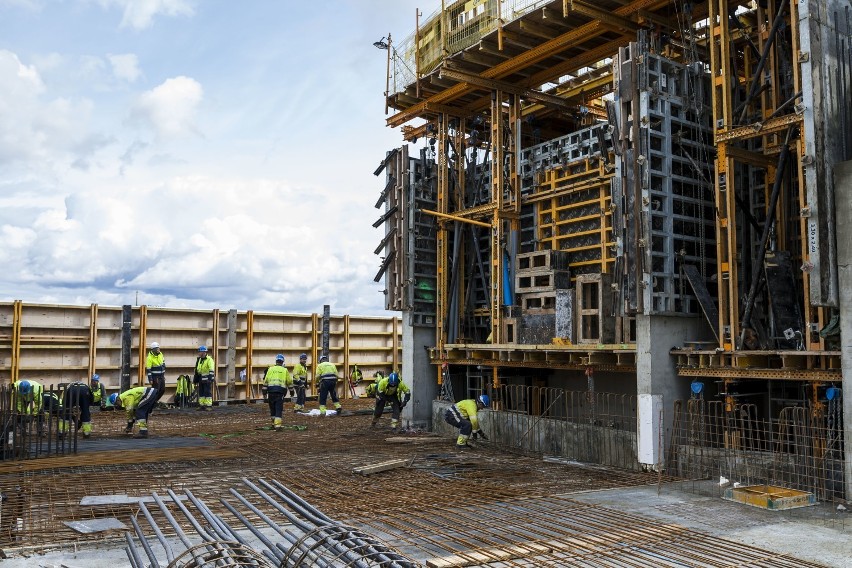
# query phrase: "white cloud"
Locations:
[[140, 14], [125, 67], [171, 106]]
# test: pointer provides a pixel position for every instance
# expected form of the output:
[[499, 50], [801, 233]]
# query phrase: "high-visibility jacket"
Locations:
[[277, 377], [155, 365], [130, 399], [356, 375], [300, 374], [326, 370], [97, 392], [371, 389], [183, 387], [466, 409], [205, 367], [388, 391], [30, 404]]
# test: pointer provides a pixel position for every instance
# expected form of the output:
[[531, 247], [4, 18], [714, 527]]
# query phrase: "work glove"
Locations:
[[292, 391]]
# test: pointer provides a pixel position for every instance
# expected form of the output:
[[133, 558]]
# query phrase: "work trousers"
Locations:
[[146, 404], [328, 387], [158, 382], [275, 399], [455, 419], [205, 388], [381, 401], [79, 396], [300, 393]]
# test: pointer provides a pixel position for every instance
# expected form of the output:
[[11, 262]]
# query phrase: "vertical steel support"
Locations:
[[442, 242], [143, 342], [346, 371], [17, 312], [126, 346], [726, 225], [498, 186], [249, 342]]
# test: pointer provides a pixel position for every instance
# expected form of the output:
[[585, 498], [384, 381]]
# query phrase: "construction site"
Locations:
[[619, 220]]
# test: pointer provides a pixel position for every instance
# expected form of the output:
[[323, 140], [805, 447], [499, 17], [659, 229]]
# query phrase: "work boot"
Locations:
[[373, 423], [464, 447], [141, 434]]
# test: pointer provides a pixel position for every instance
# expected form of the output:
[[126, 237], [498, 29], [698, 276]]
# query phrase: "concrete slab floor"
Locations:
[[819, 534]]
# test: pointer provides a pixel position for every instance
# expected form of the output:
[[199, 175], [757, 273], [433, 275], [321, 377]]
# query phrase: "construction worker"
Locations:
[[98, 390], [137, 403], [372, 388], [204, 376], [300, 381], [355, 377], [77, 395], [155, 368], [391, 390], [462, 415], [277, 380], [326, 377], [28, 397]]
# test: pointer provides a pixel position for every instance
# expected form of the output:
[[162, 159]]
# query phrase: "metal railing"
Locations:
[[466, 23], [591, 427], [801, 448], [27, 434]]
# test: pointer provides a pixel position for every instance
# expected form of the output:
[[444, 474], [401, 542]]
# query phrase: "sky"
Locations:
[[195, 153]]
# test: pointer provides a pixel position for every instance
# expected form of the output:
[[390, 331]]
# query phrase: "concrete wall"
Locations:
[[420, 375], [656, 377], [843, 203], [582, 442]]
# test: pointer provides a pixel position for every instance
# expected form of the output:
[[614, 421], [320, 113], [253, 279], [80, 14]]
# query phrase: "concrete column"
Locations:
[[657, 383], [843, 208], [418, 373]]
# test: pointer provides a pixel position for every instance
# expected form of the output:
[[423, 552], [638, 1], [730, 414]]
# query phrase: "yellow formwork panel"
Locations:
[[770, 497]]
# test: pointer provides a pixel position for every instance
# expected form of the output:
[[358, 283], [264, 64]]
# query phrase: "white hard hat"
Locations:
[[155, 345]]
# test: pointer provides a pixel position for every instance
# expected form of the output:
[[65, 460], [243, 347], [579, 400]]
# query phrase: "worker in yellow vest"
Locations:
[[326, 374], [204, 377], [277, 380], [137, 404], [300, 381]]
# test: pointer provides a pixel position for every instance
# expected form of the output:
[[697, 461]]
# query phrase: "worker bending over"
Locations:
[[98, 390], [204, 376], [137, 404], [391, 390], [463, 416], [76, 402], [326, 374], [300, 381], [277, 380]]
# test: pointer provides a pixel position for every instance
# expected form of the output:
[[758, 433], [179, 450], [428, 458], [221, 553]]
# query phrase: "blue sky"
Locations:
[[198, 153]]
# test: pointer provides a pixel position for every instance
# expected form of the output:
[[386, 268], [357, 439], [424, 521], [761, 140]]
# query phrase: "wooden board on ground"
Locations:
[[383, 466], [415, 440], [487, 556]]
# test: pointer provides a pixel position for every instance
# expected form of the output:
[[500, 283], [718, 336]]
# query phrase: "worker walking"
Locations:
[[300, 381], [137, 404], [204, 376], [277, 380], [391, 390], [98, 390], [463, 416], [76, 402], [155, 369], [326, 374]]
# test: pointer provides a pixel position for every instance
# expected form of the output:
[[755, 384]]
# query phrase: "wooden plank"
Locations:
[[383, 466], [415, 440]]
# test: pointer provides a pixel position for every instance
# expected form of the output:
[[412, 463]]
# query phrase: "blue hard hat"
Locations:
[[323, 358], [832, 392], [96, 377], [202, 349], [279, 357], [25, 388], [303, 356], [393, 379], [113, 399], [697, 387], [484, 400]]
